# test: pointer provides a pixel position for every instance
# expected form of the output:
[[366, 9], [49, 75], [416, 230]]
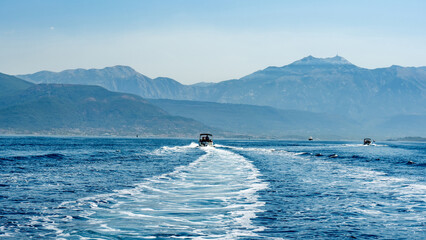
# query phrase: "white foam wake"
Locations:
[[174, 149], [251, 149], [213, 197]]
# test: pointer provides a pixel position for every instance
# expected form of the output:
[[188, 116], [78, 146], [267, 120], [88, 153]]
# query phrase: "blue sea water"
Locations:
[[118, 188]]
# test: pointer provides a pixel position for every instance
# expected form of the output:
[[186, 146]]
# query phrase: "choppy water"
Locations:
[[105, 188]]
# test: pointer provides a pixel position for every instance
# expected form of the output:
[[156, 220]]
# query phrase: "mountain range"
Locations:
[[92, 110], [331, 85], [330, 94], [84, 110], [116, 79]]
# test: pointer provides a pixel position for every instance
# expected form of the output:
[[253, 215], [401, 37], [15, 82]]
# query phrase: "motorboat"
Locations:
[[205, 140], [367, 141], [310, 138]]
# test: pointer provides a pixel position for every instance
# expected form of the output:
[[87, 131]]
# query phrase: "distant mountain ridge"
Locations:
[[319, 85], [10, 85], [331, 85], [118, 79], [322, 85], [84, 110], [310, 60]]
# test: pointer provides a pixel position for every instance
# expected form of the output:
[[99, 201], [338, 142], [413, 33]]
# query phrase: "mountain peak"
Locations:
[[310, 60], [119, 70], [121, 67]]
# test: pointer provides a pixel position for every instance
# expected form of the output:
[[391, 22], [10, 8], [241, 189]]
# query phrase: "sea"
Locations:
[[134, 188]]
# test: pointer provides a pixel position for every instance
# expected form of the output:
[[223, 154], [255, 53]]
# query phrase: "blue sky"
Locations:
[[210, 41]]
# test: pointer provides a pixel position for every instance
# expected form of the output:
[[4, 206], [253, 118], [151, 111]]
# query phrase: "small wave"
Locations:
[[52, 155], [56, 156], [4, 232], [302, 154]]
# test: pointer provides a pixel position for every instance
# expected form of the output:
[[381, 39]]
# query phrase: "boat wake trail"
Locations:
[[214, 197], [175, 149]]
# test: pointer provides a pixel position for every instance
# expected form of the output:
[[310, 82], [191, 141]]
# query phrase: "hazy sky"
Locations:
[[207, 41]]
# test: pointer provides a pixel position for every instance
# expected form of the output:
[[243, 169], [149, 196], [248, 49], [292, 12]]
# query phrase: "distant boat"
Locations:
[[205, 140], [367, 141], [310, 138]]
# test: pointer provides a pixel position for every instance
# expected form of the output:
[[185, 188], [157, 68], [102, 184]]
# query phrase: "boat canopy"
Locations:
[[205, 134]]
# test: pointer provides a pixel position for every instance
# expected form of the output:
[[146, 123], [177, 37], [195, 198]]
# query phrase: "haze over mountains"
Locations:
[[262, 121], [321, 92], [84, 110], [310, 84]]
